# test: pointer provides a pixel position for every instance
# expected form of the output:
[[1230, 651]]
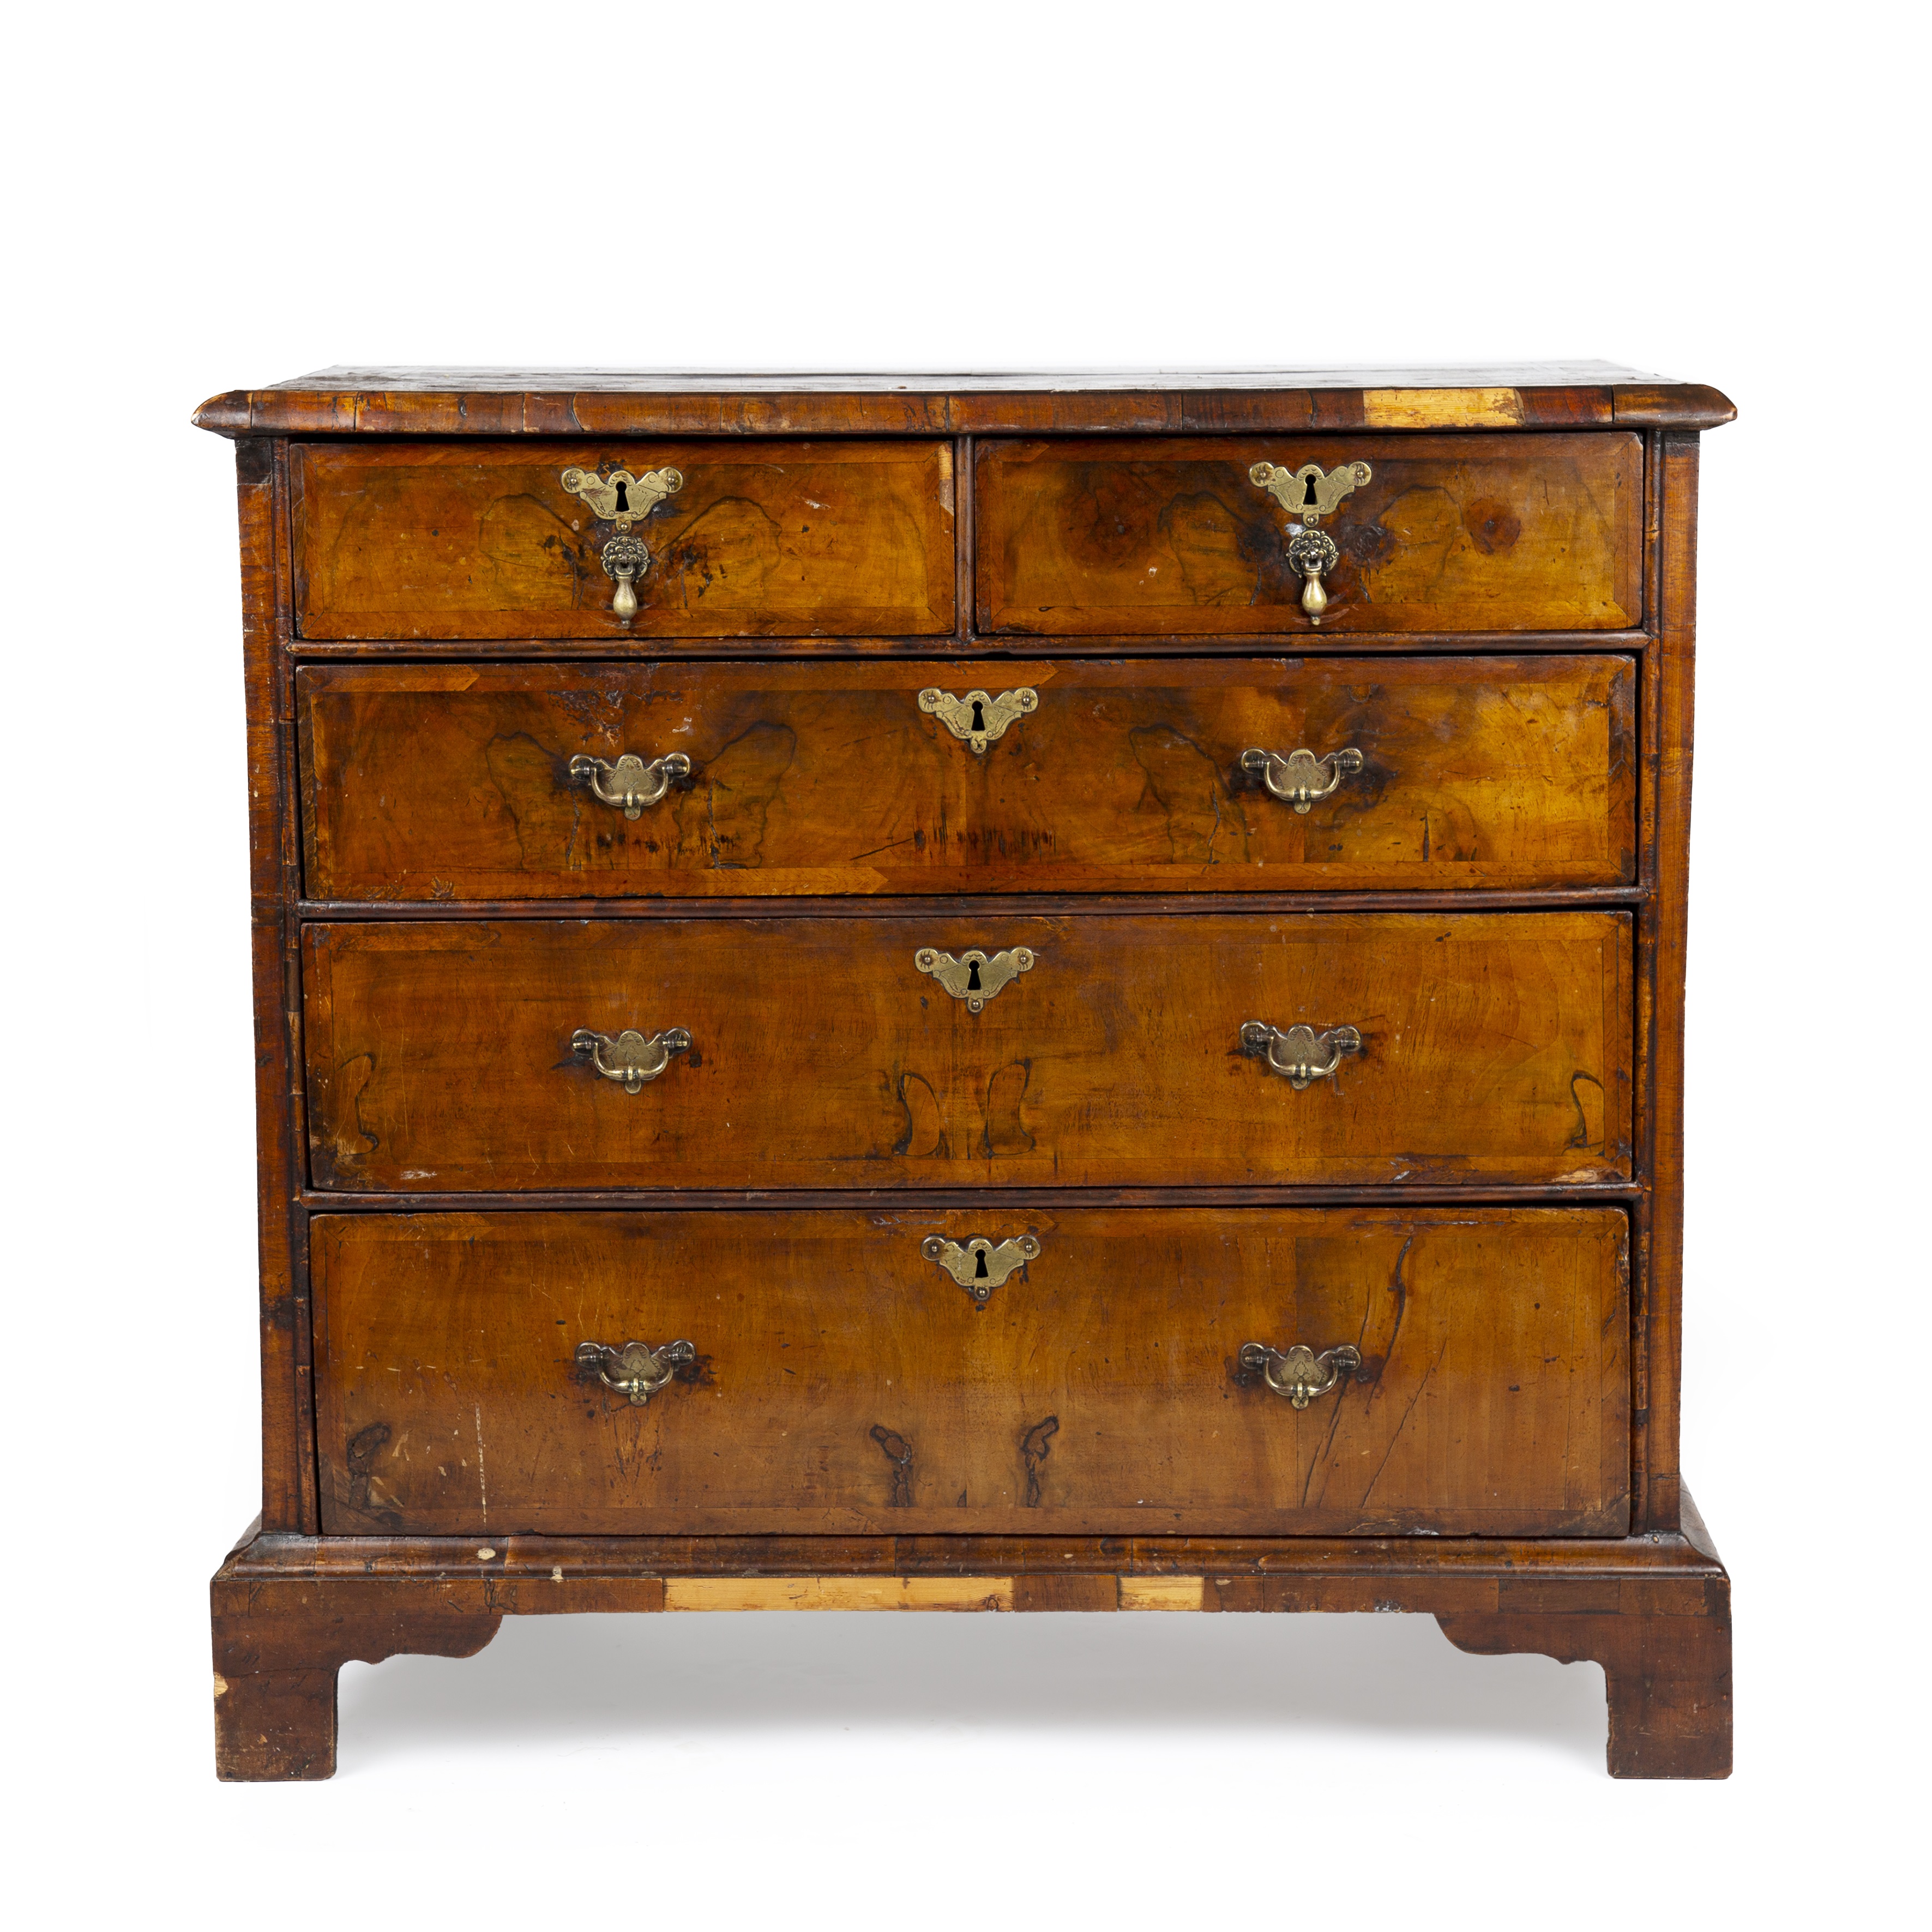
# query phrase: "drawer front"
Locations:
[[426, 781], [1135, 537], [441, 1055], [760, 540], [840, 1381]]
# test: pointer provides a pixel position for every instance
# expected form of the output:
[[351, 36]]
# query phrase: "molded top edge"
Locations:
[[1051, 382], [563, 402]]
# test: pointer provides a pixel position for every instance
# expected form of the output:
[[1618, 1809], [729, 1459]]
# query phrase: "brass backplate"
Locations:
[[974, 976], [978, 1265], [621, 498], [1310, 493], [978, 718]]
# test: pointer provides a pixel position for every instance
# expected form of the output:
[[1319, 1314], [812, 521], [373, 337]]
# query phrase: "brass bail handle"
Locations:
[[1296, 777], [630, 783], [636, 1371], [1298, 1372], [631, 1057], [1309, 494], [621, 499], [1299, 1054]]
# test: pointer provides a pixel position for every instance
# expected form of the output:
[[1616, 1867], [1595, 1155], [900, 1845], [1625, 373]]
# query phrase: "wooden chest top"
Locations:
[[569, 402]]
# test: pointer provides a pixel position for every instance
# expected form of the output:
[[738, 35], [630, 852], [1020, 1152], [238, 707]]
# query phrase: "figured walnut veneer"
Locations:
[[435, 782], [1494, 1382]]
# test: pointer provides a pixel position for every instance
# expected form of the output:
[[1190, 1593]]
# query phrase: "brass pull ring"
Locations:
[[974, 976], [623, 500], [978, 718], [1310, 493], [1300, 1374], [978, 1265], [1300, 1055], [640, 1371], [632, 1057], [631, 782], [1297, 778]]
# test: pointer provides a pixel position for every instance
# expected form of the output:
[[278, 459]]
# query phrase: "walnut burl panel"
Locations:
[[843, 1382], [1495, 1045], [482, 540], [1150, 536], [421, 782]]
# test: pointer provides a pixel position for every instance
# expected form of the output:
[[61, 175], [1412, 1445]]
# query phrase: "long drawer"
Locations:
[[425, 781], [1134, 536], [1467, 1372], [1094, 1050], [759, 539]]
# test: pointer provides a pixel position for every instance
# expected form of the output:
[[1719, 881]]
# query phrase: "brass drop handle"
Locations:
[[632, 1057], [636, 1371], [630, 783], [1297, 778], [978, 1265], [1300, 1055], [1300, 1374], [622, 499], [624, 560], [979, 718], [1310, 493]]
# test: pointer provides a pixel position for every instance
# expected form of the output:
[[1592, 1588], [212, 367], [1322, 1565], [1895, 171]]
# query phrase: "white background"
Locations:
[[202, 198]]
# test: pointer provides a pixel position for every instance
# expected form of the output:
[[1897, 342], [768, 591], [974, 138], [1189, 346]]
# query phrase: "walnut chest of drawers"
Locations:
[[1010, 993]]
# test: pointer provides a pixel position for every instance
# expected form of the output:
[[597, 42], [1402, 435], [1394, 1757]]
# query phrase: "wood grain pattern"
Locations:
[[288, 1466], [519, 1574], [579, 402], [1654, 1610], [1496, 1045], [279, 1644], [1665, 936], [482, 540], [844, 1382], [1494, 533], [1667, 1674], [437, 781]]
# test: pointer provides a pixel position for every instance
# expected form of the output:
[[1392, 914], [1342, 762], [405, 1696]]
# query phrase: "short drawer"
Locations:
[[505, 782], [484, 540], [1134, 1376], [828, 1052], [1141, 536]]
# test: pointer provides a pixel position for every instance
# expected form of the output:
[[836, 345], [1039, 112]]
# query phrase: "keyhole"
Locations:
[[973, 986], [978, 719], [623, 500], [980, 1265], [1308, 496]]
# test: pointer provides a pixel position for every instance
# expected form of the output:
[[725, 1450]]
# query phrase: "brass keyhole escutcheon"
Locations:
[[623, 498], [1310, 493], [980, 1265], [979, 718], [974, 976]]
